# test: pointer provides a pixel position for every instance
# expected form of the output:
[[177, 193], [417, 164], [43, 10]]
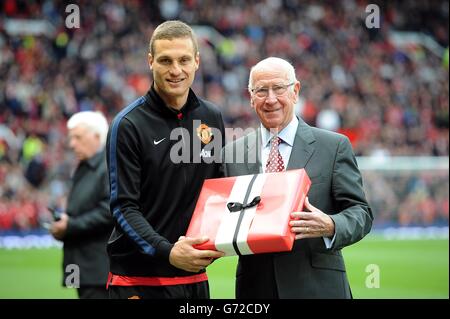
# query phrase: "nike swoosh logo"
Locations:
[[157, 142]]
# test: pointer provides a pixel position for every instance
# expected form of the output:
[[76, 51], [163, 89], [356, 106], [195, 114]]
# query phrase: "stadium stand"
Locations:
[[388, 94]]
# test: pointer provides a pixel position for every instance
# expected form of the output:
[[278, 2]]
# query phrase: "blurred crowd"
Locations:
[[390, 100], [410, 198]]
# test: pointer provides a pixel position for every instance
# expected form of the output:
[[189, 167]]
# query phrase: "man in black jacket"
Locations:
[[160, 149], [86, 224]]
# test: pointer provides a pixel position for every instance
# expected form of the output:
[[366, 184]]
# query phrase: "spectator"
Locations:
[[86, 224]]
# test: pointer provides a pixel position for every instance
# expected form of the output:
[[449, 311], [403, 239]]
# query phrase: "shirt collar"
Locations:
[[287, 134]]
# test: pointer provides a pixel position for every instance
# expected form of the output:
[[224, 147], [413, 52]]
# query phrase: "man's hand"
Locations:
[[314, 223], [186, 257], [58, 228]]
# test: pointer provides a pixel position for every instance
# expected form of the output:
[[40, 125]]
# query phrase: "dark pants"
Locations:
[[198, 290], [94, 292], [251, 284]]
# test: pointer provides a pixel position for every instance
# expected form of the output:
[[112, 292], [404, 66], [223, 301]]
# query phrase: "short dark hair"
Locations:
[[172, 29]]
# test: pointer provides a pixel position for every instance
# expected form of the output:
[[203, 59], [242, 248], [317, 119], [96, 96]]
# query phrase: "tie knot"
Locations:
[[276, 141]]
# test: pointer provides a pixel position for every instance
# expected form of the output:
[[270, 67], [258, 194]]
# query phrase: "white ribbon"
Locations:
[[228, 224]]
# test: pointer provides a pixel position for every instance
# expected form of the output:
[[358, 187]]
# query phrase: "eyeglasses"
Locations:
[[278, 90]]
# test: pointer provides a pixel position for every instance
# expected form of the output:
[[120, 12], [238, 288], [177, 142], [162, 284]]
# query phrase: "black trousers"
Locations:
[[198, 290], [252, 284], [94, 292]]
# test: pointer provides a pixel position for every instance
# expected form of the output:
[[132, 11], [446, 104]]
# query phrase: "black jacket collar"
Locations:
[[156, 103], [95, 160]]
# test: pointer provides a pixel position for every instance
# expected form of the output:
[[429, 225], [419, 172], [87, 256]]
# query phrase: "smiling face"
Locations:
[[274, 111], [173, 63]]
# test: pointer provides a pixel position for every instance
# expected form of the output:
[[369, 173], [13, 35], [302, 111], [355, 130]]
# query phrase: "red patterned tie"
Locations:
[[275, 161]]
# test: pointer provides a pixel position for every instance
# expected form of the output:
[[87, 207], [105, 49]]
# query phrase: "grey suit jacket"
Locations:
[[309, 270]]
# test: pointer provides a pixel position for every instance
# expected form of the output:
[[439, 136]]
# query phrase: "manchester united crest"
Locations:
[[204, 133]]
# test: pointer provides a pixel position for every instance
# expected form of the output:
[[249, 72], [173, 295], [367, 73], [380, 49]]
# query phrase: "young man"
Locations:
[[153, 192], [338, 214]]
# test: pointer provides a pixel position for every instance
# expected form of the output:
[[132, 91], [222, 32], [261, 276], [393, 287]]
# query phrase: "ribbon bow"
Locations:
[[237, 207]]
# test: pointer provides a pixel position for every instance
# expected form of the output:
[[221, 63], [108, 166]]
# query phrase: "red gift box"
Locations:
[[249, 214]]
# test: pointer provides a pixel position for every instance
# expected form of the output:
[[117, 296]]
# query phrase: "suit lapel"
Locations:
[[303, 147], [253, 159]]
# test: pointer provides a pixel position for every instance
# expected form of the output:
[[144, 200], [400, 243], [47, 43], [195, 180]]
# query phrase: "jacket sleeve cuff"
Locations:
[[71, 228], [339, 231], [163, 250]]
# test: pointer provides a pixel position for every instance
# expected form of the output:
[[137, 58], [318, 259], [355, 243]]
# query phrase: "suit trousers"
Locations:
[[254, 286]]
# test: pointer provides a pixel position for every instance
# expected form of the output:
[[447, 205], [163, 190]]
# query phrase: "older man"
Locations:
[[338, 214], [86, 224]]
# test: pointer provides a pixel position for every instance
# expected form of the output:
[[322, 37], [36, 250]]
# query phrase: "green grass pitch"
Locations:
[[406, 268]]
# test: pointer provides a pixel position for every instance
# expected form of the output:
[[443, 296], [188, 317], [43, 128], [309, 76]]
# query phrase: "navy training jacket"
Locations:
[[156, 177]]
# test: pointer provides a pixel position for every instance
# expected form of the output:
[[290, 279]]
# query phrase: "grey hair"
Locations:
[[95, 121], [271, 63]]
